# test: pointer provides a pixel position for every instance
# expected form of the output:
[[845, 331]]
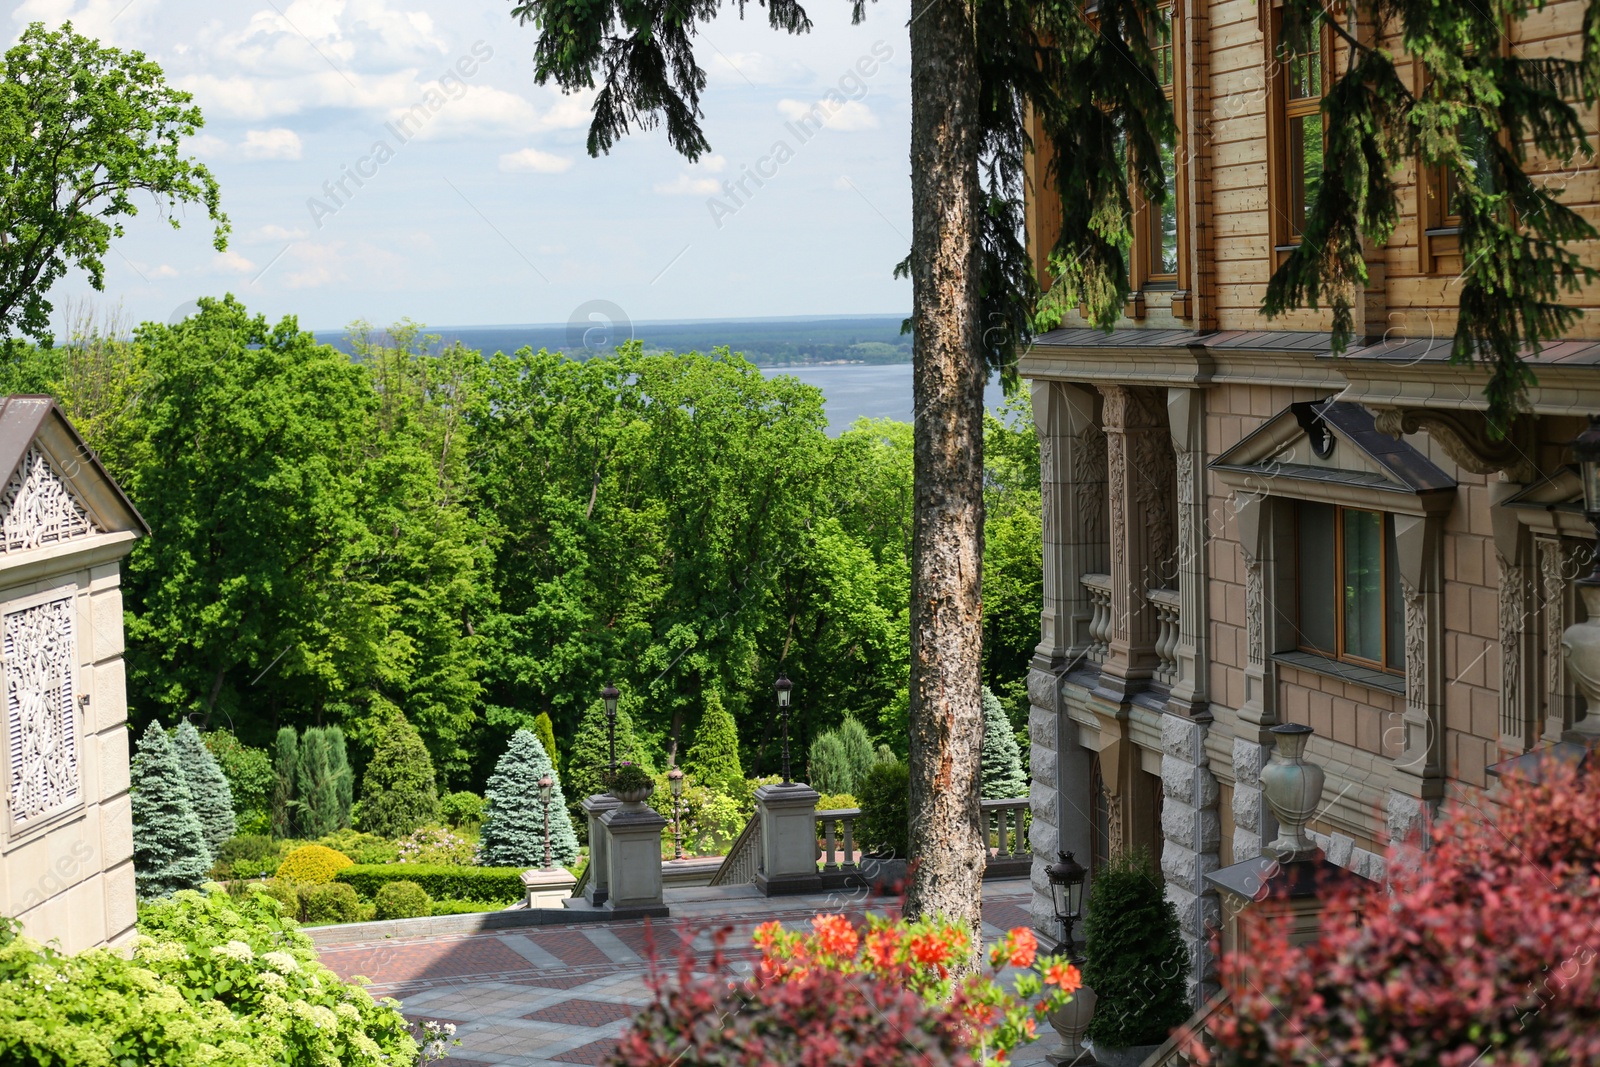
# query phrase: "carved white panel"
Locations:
[[41, 724], [39, 508]]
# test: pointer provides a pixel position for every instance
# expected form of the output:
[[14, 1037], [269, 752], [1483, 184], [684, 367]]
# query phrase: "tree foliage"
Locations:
[[399, 792], [84, 131], [713, 758], [514, 818], [285, 765], [169, 842], [209, 792], [248, 771], [1002, 762], [324, 783], [1134, 957]]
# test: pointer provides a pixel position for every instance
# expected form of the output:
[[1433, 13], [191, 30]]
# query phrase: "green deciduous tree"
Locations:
[[399, 791], [514, 818], [1002, 762], [84, 131], [169, 842], [249, 773], [209, 792]]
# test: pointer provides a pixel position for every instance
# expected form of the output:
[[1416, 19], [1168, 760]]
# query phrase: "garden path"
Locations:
[[545, 996]]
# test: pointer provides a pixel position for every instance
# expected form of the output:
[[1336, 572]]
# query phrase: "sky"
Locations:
[[482, 205]]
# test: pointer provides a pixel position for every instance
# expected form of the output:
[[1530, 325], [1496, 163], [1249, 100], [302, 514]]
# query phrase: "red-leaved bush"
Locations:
[[1482, 952]]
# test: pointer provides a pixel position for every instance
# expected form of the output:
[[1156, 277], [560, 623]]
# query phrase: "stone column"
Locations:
[[633, 847], [1140, 479], [595, 807], [1072, 464], [788, 839], [1186, 414], [1191, 826], [1418, 781]]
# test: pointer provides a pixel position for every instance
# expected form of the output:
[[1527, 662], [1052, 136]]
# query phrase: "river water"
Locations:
[[853, 390]]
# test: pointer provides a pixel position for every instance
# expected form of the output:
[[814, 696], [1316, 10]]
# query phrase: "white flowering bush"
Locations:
[[435, 845], [213, 981]]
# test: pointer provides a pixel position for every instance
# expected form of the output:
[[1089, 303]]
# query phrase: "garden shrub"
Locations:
[[1001, 760], [713, 756], [514, 817], [434, 845], [246, 856], [835, 801], [1135, 958], [333, 902], [588, 764], [461, 808], [400, 900], [323, 782], [545, 731], [490, 885], [279, 889], [213, 979], [885, 824], [466, 907], [169, 845], [398, 792], [208, 786], [312, 864], [249, 774], [285, 761], [827, 765], [710, 820], [360, 847]]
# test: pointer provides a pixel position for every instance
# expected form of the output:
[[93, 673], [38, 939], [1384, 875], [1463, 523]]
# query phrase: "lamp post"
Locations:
[[609, 694], [545, 786], [675, 780], [1066, 894], [783, 686]]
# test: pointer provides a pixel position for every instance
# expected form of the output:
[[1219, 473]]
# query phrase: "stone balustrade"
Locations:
[[838, 827], [1098, 586], [1166, 604]]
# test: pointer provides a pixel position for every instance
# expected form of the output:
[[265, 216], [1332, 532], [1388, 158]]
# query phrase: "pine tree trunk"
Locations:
[[947, 525]]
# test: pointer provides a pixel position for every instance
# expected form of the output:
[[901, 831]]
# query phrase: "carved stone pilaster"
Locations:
[[1420, 763], [1143, 539], [1072, 457], [1559, 562], [1190, 691]]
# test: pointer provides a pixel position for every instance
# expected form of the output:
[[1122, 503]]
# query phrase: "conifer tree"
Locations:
[[169, 843], [322, 782], [828, 765], [209, 792], [858, 751], [514, 817], [713, 757], [398, 792], [590, 761], [545, 731], [1002, 760], [285, 762]]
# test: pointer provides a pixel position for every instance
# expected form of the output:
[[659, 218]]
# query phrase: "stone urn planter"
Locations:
[[1070, 1021], [633, 799], [1580, 647], [1292, 788], [1131, 1056]]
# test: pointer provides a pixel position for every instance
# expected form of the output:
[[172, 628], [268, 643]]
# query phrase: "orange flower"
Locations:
[[1064, 975], [930, 948], [1028, 1026], [1023, 945], [883, 948], [836, 936], [767, 933]]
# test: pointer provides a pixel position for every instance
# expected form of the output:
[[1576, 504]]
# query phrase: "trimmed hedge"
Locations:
[[489, 885], [312, 864]]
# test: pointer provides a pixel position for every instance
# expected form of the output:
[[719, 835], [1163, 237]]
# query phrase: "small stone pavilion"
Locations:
[[66, 842]]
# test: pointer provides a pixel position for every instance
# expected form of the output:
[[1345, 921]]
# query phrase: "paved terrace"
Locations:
[[540, 996]]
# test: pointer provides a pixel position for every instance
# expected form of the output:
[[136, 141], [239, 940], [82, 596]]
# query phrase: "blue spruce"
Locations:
[[169, 844], [513, 819], [209, 792]]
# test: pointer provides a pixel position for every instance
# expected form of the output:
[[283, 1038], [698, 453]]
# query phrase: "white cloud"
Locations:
[[465, 111], [686, 185], [531, 159], [569, 112], [715, 164], [274, 232], [761, 69], [232, 262], [276, 143], [166, 270], [836, 114]]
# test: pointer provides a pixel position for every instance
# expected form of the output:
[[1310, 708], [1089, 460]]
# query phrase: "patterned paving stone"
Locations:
[[459, 957], [595, 1052], [1003, 914], [579, 1012], [557, 981], [570, 946]]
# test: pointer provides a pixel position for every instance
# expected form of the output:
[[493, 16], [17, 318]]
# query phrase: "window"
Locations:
[[1349, 603], [1442, 193], [1153, 261], [1295, 132]]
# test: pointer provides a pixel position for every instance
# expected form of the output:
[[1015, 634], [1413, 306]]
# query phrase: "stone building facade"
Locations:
[[66, 842], [1242, 529]]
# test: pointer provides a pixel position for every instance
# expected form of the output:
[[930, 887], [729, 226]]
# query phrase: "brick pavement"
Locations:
[[546, 995]]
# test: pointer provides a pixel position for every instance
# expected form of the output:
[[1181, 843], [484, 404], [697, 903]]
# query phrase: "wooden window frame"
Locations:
[[1143, 276], [1438, 231], [1386, 522], [1280, 111]]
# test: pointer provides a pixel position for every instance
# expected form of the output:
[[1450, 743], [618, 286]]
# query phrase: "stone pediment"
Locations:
[[1332, 450], [55, 490]]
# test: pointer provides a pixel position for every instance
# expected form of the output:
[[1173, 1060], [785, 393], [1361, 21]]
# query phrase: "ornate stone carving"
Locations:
[[1152, 466], [1254, 625], [1513, 610], [1416, 648], [1552, 583], [1089, 482], [38, 508], [1464, 436], [41, 720]]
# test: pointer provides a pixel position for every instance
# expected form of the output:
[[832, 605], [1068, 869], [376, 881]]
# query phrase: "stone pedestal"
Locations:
[[1191, 826], [548, 887], [788, 839], [633, 854], [599, 867]]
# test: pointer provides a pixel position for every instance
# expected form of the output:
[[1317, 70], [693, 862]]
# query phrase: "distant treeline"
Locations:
[[474, 541]]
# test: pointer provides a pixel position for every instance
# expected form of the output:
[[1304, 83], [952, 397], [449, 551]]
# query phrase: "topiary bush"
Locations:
[[215, 979], [884, 828], [514, 817], [313, 865], [1135, 959], [545, 731], [713, 756], [333, 902], [461, 808], [398, 792], [401, 900], [1001, 759], [209, 791], [169, 844], [247, 856], [434, 845], [491, 885]]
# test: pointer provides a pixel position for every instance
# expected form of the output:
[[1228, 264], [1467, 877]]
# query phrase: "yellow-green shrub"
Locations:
[[333, 902], [313, 864], [402, 900]]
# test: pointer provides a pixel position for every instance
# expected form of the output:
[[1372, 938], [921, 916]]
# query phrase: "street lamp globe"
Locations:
[[783, 686], [675, 781], [1066, 893], [610, 694]]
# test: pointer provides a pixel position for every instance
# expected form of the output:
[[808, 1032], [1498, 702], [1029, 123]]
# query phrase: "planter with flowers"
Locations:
[[631, 784]]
